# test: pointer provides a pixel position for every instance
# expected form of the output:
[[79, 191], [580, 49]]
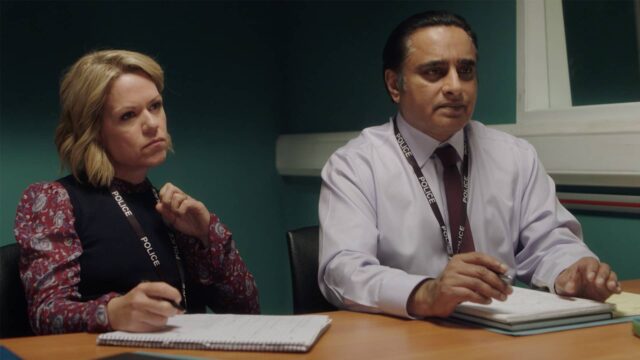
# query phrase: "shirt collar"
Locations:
[[422, 145]]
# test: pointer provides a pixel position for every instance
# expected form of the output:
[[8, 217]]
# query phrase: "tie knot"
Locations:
[[447, 155]]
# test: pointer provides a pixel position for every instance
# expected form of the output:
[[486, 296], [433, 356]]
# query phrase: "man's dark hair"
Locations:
[[395, 50]]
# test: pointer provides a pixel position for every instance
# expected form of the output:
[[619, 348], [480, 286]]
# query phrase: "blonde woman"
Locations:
[[102, 249]]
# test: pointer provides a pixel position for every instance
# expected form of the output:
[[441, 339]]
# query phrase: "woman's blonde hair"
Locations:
[[83, 92]]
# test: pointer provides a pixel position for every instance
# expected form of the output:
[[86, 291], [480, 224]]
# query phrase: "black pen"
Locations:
[[175, 305]]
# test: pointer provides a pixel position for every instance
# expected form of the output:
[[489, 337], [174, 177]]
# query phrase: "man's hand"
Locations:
[[588, 278], [183, 212], [144, 308], [467, 277]]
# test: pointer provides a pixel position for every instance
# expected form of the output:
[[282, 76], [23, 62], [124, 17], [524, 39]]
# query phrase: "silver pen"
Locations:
[[506, 278]]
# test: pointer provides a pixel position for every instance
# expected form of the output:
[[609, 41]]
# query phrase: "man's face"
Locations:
[[438, 87]]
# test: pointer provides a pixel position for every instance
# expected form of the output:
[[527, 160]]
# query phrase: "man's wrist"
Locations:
[[418, 303]]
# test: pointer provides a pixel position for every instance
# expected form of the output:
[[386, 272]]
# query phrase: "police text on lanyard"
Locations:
[[404, 147], [144, 240]]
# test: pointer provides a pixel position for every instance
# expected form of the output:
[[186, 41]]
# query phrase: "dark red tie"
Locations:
[[453, 189]]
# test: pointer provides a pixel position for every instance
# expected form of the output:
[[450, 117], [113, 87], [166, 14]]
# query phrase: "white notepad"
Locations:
[[532, 309], [286, 333]]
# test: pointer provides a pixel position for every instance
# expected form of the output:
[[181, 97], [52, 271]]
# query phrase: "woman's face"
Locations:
[[134, 127]]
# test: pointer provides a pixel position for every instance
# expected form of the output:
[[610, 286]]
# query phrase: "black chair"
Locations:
[[14, 320], [303, 257]]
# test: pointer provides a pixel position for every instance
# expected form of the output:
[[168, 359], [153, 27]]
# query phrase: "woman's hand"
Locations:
[[145, 308], [183, 212]]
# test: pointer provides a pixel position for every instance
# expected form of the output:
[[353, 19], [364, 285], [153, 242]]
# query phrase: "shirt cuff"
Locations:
[[98, 322], [395, 292]]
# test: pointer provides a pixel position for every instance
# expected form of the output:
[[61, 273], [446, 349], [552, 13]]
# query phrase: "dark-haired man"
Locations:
[[429, 209]]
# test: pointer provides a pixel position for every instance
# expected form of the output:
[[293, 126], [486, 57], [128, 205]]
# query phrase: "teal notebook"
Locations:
[[6, 354], [615, 320], [527, 309]]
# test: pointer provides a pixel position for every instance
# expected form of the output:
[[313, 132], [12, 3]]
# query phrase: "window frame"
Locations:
[[596, 145]]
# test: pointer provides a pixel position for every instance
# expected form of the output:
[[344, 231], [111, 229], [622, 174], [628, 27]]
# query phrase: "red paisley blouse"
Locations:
[[50, 272]]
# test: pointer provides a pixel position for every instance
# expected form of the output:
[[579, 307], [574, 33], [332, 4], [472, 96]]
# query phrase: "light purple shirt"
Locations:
[[379, 238]]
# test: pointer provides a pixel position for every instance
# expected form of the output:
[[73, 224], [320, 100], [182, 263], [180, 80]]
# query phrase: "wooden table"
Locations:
[[366, 336]]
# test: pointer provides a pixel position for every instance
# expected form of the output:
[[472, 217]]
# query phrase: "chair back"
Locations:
[[14, 319], [303, 257]]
